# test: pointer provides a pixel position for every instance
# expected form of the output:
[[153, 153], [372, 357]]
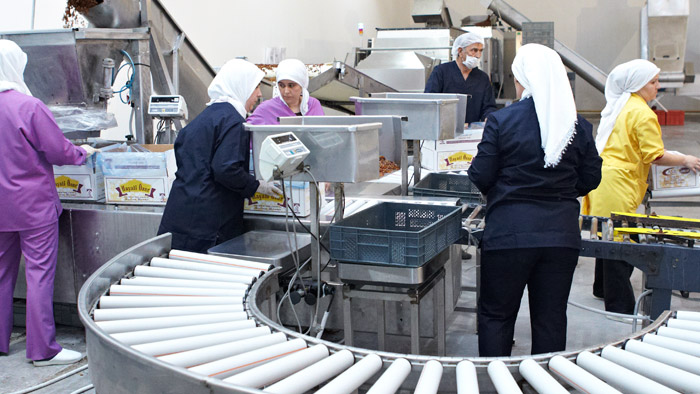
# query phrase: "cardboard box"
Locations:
[[467, 140], [268, 205], [451, 155], [674, 181], [83, 183], [142, 176]]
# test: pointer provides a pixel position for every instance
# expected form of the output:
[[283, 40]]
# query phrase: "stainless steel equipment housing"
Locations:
[[338, 153]]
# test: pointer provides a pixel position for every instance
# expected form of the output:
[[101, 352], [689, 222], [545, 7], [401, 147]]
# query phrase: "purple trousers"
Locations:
[[40, 249]]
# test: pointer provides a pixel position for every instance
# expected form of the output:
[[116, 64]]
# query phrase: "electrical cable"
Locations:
[[318, 282], [52, 381], [309, 231], [286, 295], [83, 389]]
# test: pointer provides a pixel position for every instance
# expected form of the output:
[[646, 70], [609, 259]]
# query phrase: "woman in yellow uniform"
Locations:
[[629, 139]]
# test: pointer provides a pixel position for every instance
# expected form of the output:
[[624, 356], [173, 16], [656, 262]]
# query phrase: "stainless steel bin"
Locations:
[[348, 153], [389, 133], [428, 119], [461, 106]]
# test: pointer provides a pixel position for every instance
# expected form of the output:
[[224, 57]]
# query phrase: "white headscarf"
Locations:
[[234, 84], [464, 41], [542, 74], [623, 80], [294, 70], [12, 63]]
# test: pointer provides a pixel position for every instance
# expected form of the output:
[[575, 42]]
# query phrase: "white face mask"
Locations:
[[472, 62]]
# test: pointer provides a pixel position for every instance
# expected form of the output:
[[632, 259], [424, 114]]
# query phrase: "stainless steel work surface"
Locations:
[[266, 246], [391, 274]]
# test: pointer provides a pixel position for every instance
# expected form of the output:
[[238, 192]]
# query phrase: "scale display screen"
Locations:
[[284, 138]]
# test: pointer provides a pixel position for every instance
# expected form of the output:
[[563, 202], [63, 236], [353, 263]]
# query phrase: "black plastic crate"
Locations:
[[448, 185], [396, 233]]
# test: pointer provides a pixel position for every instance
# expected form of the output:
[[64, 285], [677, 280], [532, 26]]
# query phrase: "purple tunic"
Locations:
[[31, 144], [268, 112]]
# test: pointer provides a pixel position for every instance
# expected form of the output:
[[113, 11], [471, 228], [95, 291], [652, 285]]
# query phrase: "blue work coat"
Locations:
[[529, 206], [447, 78], [205, 206]]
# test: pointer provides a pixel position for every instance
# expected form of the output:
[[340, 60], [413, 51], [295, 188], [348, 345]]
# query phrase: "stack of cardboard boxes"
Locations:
[[137, 174]]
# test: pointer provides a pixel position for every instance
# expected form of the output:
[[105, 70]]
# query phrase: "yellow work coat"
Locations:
[[635, 142]]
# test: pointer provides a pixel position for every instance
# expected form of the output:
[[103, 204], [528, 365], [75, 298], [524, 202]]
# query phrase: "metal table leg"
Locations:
[[415, 327], [660, 301], [381, 325], [440, 308], [347, 320]]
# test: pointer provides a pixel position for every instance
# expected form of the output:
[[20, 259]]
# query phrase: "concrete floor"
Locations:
[[585, 328]]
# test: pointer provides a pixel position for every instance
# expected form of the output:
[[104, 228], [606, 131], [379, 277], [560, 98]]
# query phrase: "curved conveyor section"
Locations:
[[161, 320]]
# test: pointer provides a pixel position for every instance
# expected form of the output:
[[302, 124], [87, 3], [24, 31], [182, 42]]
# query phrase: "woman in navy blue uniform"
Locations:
[[536, 157], [464, 77], [205, 205]]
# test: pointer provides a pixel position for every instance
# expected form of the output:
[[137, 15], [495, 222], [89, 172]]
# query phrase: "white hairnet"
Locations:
[[623, 80], [464, 41], [12, 63], [540, 71], [294, 70], [234, 84]]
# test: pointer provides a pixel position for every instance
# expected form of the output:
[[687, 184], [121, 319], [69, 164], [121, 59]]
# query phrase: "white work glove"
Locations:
[[269, 188], [89, 150]]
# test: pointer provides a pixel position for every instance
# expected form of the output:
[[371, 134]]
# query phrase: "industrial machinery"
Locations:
[[664, 32], [73, 71], [667, 258], [201, 324]]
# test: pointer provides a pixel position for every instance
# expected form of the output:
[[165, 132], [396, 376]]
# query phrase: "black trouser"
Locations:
[[612, 283], [548, 273]]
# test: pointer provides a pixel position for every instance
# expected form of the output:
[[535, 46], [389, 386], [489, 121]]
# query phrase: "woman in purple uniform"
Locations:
[[29, 207]]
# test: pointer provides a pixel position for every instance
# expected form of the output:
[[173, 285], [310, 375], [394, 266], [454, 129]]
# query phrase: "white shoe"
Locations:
[[63, 357]]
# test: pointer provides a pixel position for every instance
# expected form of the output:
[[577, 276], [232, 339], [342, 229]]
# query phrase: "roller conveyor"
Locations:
[[196, 338]]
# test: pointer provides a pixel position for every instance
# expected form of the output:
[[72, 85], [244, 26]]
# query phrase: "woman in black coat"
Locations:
[[536, 157]]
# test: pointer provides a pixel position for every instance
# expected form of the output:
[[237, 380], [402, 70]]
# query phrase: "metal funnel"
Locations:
[[115, 14]]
